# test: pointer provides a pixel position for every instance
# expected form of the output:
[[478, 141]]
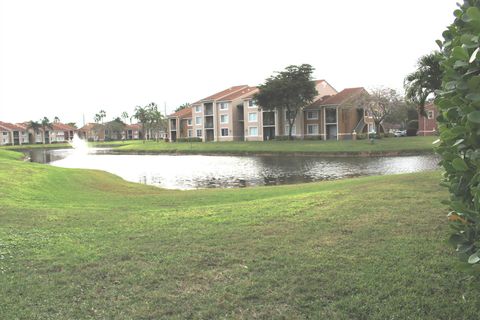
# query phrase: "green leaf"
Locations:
[[460, 165], [458, 142], [436, 141], [474, 258], [457, 13], [474, 55], [460, 53], [473, 13], [474, 117], [473, 96], [439, 43]]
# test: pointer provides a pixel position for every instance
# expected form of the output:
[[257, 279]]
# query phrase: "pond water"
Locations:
[[202, 171]]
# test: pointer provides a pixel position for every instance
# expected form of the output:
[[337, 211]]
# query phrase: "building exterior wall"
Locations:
[[427, 126], [348, 119], [250, 123], [319, 122]]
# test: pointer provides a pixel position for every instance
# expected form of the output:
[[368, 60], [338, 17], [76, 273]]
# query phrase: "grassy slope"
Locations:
[[80, 244], [407, 144]]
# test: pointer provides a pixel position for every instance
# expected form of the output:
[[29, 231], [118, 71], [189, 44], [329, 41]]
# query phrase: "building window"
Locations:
[[312, 129], [312, 115], [251, 104], [253, 131], [198, 120], [198, 109], [224, 132], [190, 133], [430, 114], [331, 115], [223, 105], [252, 117], [5, 133], [287, 127], [199, 133], [223, 118], [189, 122]]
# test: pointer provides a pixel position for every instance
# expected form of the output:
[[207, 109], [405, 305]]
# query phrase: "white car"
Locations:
[[400, 133]]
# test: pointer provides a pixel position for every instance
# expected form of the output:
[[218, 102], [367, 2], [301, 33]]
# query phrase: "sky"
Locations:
[[71, 59]]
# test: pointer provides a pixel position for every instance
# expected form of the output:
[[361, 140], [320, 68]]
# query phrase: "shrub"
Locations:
[[412, 124], [195, 139], [284, 138], [459, 125], [312, 138]]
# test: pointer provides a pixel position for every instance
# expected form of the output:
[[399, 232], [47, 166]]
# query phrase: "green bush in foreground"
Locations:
[[459, 124]]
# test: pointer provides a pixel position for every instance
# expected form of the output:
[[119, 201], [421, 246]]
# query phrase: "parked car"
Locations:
[[400, 133]]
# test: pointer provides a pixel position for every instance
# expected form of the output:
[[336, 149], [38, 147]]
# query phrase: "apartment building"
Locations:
[[13, 134], [231, 115]]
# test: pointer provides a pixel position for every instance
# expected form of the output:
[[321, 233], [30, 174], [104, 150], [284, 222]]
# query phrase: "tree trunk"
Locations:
[[291, 122]]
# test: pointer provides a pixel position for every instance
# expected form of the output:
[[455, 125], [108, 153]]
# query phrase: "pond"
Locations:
[[203, 171]]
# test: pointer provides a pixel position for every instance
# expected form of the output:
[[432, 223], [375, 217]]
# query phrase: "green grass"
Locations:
[[65, 145], [386, 145], [405, 145], [84, 244]]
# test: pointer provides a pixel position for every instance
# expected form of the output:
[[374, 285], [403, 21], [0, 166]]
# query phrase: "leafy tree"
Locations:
[[124, 116], [183, 106], [156, 120], [292, 90], [459, 126], [56, 119], [380, 104], [424, 81], [72, 124], [115, 128], [45, 124]]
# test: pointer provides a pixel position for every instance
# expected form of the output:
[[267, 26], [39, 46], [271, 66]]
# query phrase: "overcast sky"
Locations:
[[69, 58]]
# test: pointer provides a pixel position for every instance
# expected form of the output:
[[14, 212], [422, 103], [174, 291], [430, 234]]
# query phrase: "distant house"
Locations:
[[427, 125], [92, 132], [13, 134], [113, 130], [61, 132], [132, 132], [338, 116], [180, 124]]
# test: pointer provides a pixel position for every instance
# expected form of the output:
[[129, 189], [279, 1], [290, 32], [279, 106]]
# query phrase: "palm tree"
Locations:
[[141, 114], [102, 115], [423, 82], [46, 124], [35, 126], [125, 116]]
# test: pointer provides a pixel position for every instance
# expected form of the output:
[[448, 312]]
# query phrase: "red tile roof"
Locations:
[[224, 93], [339, 98], [184, 113], [58, 126], [89, 126], [134, 126], [245, 93], [11, 126]]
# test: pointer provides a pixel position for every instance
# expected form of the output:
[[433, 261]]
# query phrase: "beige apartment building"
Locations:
[[231, 115]]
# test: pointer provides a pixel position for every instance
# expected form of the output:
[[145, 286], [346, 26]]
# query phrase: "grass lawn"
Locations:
[[401, 145], [386, 145], [84, 244]]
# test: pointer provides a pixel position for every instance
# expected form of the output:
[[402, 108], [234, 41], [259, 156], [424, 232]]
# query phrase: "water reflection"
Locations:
[[196, 171]]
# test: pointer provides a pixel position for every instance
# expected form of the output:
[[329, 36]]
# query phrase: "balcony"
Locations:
[[208, 109], [268, 119], [209, 124]]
